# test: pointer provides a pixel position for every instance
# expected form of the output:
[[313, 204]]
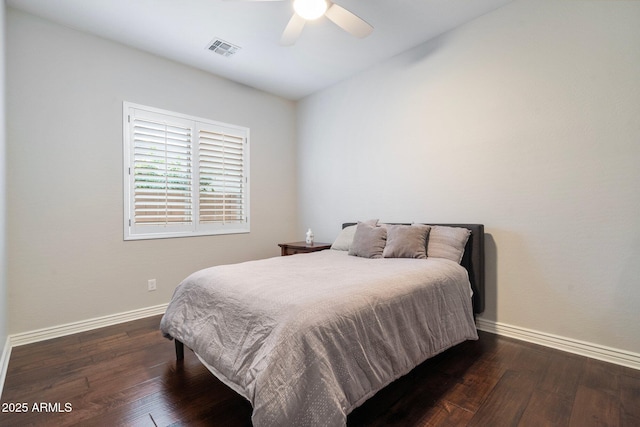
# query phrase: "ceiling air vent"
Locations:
[[223, 48]]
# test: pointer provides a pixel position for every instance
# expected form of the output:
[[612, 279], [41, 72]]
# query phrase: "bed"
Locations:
[[308, 338]]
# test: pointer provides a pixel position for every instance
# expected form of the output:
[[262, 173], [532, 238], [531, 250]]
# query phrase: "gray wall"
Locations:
[[3, 162], [67, 258], [526, 120]]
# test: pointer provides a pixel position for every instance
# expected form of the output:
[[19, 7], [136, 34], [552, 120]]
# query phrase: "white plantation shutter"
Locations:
[[162, 176], [183, 176], [222, 179]]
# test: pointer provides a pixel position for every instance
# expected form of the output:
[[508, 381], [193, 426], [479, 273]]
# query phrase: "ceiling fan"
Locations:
[[309, 10]]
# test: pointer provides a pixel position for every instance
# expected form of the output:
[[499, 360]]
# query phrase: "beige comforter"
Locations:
[[307, 338]]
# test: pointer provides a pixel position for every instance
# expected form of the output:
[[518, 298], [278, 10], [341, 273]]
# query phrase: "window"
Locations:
[[183, 176]]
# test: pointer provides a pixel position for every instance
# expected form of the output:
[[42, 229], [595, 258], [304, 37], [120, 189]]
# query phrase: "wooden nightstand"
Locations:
[[302, 247]]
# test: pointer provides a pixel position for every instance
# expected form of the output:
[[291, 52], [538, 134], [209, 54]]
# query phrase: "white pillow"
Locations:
[[447, 242], [344, 239]]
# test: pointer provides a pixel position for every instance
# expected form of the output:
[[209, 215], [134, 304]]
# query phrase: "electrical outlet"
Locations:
[[151, 284]]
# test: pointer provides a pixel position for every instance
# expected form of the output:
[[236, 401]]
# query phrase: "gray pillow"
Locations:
[[447, 242], [406, 241], [368, 241]]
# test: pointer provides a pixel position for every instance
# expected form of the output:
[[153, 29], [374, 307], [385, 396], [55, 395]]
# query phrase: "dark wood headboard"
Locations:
[[472, 260]]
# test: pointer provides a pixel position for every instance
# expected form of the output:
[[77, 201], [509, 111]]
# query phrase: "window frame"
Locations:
[[133, 231]]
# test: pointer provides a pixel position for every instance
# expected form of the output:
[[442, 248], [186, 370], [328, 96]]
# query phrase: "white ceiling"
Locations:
[[181, 30]]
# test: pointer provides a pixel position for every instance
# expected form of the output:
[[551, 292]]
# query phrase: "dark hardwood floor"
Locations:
[[127, 375]]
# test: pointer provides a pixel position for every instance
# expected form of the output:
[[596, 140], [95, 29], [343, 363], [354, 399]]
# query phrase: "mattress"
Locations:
[[308, 338]]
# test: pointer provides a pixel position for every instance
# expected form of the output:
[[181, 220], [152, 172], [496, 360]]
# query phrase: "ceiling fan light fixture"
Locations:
[[310, 9]]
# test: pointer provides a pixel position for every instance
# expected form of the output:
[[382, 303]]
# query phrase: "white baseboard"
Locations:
[[594, 351], [84, 325], [4, 362]]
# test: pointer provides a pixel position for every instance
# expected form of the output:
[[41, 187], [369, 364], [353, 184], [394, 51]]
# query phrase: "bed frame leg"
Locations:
[[179, 350]]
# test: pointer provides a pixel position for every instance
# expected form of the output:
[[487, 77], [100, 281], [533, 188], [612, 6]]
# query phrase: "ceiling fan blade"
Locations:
[[293, 30], [348, 21]]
